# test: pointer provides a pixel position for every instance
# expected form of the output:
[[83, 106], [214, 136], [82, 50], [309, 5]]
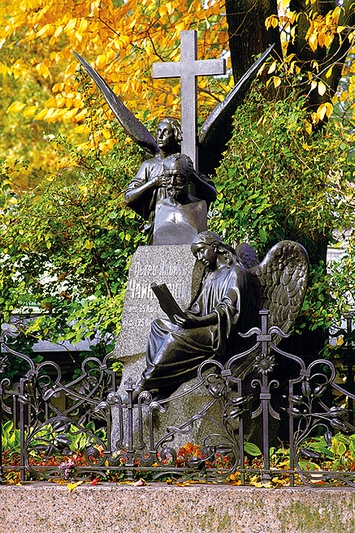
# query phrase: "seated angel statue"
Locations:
[[228, 302]]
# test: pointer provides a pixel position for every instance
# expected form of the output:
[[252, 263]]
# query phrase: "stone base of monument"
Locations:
[[162, 508], [174, 265], [190, 411]]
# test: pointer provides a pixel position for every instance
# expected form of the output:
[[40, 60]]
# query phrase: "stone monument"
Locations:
[[173, 215]]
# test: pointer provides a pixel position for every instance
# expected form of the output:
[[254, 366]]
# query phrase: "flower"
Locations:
[[264, 363]]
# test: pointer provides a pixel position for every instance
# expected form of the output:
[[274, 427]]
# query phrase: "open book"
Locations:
[[167, 301]]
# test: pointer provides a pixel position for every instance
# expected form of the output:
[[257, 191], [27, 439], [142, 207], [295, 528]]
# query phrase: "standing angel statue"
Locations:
[[151, 184]]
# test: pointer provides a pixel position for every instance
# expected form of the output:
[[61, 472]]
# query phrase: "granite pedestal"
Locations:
[[159, 508]]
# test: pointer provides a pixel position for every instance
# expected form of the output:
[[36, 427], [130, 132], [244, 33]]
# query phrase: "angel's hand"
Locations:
[[160, 181], [188, 322]]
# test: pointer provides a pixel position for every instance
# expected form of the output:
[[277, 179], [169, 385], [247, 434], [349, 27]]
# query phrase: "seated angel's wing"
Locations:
[[132, 126], [279, 283], [246, 255]]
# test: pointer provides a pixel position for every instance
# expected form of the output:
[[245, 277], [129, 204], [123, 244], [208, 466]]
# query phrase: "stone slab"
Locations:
[[161, 508], [174, 265]]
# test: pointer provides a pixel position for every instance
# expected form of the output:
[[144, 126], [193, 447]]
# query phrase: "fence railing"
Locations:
[[281, 422]]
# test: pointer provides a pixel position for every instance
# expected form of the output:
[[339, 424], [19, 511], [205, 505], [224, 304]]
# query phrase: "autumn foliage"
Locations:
[[120, 39], [65, 161]]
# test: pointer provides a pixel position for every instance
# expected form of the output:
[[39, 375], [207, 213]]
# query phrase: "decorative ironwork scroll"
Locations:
[[83, 429]]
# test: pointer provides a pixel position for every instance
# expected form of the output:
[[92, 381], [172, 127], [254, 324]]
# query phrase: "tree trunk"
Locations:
[[248, 35]]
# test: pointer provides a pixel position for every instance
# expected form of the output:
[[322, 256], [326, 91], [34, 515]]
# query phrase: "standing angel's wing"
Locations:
[[279, 283], [216, 131], [132, 126]]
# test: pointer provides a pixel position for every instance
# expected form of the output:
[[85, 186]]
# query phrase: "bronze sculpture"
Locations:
[[228, 303], [214, 132], [144, 192], [152, 184], [180, 216]]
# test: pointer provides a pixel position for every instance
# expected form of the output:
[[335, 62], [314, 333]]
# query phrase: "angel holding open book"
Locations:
[[176, 349], [233, 290]]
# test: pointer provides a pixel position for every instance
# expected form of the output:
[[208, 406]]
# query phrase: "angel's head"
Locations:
[[169, 136], [208, 247]]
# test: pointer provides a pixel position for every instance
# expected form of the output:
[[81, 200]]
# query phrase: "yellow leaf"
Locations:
[[277, 81], [322, 39], [272, 21], [72, 486], [58, 87], [58, 31], [88, 244], [80, 116], [272, 68], [162, 10], [50, 102], [336, 12], [83, 26], [313, 85], [180, 26], [170, 7], [321, 88], [125, 40], [43, 70], [4, 69], [41, 115], [83, 128], [69, 115], [308, 127], [78, 103], [321, 111], [15, 107], [313, 41], [101, 61], [329, 72], [44, 31], [30, 111], [106, 133], [329, 107], [328, 39], [70, 26]]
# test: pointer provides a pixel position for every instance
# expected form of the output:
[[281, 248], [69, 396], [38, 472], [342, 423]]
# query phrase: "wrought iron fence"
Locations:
[[283, 422]]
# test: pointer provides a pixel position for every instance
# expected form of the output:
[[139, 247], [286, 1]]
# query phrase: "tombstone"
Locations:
[[169, 262]]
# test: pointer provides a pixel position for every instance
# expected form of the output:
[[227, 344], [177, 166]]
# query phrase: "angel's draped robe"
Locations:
[[174, 353]]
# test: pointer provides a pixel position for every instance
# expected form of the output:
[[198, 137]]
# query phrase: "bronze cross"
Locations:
[[188, 69]]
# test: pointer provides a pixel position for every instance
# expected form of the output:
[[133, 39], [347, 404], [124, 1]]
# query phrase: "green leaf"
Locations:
[[252, 449]]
